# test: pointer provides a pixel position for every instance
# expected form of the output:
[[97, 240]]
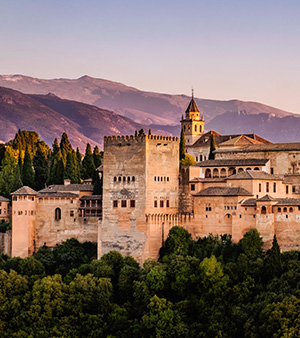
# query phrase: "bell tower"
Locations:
[[192, 123]]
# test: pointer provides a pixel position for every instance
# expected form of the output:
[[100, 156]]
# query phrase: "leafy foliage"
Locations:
[[205, 288]]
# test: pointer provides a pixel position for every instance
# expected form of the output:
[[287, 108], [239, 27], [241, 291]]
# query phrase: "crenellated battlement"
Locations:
[[131, 139]]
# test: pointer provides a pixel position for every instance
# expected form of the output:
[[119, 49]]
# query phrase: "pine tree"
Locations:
[[182, 146], [88, 165], [40, 163], [28, 173], [213, 147], [97, 156]]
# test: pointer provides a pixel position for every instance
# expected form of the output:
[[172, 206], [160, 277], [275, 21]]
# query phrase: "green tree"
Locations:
[[28, 173], [97, 182], [88, 165], [97, 156], [78, 163], [40, 163], [65, 147], [213, 147], [182, 146], [71, 171], [8, 172], [56, 174], [179, 242], [252, 244], [17, 183], [273, 261], [187, 161]]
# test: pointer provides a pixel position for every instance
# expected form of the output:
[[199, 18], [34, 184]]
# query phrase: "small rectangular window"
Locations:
[[192, 187], [161, 204], [123, 203], [71, 213], [155, 204], [115, 204], [294, 188], [287, 189], [274, 187], [168, 203], [132, 203], [272, 171], [259, 187], [267, 187], [14, 198]]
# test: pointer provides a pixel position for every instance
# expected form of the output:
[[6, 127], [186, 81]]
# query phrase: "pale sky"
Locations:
[[224, 49]]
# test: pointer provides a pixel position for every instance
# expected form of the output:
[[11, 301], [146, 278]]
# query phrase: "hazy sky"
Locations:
[[248, 50]]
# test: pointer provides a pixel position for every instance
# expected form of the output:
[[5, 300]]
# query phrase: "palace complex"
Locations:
[[251, 183]]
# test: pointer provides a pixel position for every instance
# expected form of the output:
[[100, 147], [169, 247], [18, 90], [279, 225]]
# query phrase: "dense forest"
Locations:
[[205, 288], [26, 160]]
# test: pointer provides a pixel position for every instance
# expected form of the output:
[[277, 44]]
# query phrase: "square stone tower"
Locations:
[[140, 194]]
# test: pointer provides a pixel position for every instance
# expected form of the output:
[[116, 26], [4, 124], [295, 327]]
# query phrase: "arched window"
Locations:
[[115, 179], [216, 173], [263, 210], [133, 179], [231, 171], [128, 178], [223, 172], [291, 209], [124, 179], [240, 170], [248, 169], [201, 158], [120, 178], [57, 214], [207, 173], [279, 209], [256, 168], [284, 209]]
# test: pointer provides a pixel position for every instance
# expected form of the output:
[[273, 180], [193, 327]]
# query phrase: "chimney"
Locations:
[[67, 181]]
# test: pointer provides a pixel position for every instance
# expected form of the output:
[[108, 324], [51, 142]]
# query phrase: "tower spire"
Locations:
[[192, 92]]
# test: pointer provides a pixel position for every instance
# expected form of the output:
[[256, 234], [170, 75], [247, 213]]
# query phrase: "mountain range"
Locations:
[[50, 116], [159, 111]]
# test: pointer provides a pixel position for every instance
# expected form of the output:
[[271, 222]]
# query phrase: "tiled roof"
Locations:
[[264, 147], [192, 107], [288, 201], [251, 202], [3, 199], [57, 194], [240, 140], [204, 140], [206, 180], [224, 191], [91, 197], [232, 163], [254, 175], [267, 198], [25, 190], [68, 188]]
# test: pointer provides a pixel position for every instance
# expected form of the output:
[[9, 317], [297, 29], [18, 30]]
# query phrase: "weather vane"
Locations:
[[192, 92]]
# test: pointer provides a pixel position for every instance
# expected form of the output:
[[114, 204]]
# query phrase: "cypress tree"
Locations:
[[71, 171], [28, 173], [97, 182], [182, 146], [54, 162], [40, 163], [65, 147], [274, 264], [88, 165], [20, 164], [17, 183], [97, 156], [7, 173], [213, 147], [78, 164]]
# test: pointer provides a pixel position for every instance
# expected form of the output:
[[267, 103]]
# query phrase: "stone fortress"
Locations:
[[250, 184]]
